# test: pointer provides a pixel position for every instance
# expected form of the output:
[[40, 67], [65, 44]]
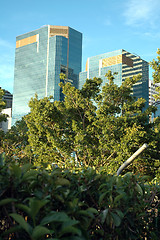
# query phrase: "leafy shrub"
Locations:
[[59, 204]]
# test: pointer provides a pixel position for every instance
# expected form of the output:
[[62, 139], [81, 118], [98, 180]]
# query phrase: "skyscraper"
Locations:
[[122, 62], [7, 98], [152, 101], [40, 57]]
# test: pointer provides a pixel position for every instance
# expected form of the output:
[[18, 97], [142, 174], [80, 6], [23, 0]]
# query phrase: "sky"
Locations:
[[106, 25]]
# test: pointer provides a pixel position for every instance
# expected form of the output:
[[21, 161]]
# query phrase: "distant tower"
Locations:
[[152, 101], [5, 126], [125, 64], [40, 57]]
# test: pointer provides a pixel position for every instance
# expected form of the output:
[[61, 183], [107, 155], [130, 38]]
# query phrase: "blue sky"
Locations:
[[107, 25]]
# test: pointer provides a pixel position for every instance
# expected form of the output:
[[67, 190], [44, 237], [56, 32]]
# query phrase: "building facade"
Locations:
[[40, 57], [123, 63], [152, 101], [6, 125]]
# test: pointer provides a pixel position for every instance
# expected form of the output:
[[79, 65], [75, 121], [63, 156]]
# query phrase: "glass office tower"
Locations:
[[125, 64], [40, 57]]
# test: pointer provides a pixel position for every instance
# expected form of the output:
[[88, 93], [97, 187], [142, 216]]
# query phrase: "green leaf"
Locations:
[[92, 210], [39, 231], [86, 213], [62, 181], [76, 238], [117, 198], [29, 175], [12, 230], [72, 230], [102, 186], [16, 170], [26, 167], [116, 219], [104, 215], [18, 218], [52, 239], [2, 159], [69, 223], [7, 200], [139, 189], [55, 217], [120, 213], [102, 197], [24, 208], [35, 205]]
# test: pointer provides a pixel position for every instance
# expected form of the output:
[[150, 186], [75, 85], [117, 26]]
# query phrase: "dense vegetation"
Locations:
[[90, 128], [60, 204], [58, 166], [2, 106], [2, 116]]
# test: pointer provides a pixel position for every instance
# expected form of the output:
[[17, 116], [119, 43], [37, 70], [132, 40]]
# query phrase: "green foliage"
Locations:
[[2, 106], [15, 143], [155, 64], [93, 128], [68, 192], [59, 204], [3, 117]]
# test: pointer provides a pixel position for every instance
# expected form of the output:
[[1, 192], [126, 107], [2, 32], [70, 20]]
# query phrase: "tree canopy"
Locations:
[[2, 106], [2, 116], [94, 126], [155, 64], [15, 143]]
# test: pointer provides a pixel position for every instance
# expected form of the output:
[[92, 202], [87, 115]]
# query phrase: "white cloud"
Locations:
[[139, 12]]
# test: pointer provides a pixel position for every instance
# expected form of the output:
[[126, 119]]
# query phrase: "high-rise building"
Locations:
[[124, 64], [8, 97], [40, 57], [6, 125], [152, 101]]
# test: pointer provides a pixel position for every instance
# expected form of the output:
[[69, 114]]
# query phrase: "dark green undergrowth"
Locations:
[[61, 204]]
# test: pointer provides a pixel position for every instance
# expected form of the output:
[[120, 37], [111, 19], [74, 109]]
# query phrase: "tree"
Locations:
[[99, 128], [2, 116], [2, 106], [15, 143], [155, 64]]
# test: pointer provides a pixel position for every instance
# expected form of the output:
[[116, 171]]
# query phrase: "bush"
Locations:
[[59, 204]]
